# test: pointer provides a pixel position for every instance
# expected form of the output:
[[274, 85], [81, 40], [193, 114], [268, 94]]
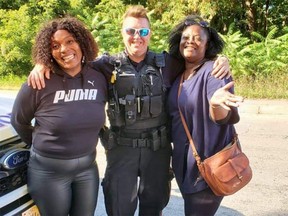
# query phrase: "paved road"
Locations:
[[264, 137], [263, 133]]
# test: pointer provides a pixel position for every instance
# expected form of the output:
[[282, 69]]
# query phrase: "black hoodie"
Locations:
[[68, 113]]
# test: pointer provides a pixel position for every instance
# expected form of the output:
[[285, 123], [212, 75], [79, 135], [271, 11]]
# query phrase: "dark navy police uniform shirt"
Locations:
[[172, 68]]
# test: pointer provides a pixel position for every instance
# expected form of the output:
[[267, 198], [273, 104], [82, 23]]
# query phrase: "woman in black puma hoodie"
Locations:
[[63, 176]]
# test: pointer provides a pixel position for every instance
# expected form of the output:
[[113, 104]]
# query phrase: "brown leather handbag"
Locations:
[[225, 172]]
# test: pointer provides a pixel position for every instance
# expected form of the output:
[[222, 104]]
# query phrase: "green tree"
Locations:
[[16, 33], [106, 25], [44, 10], [18, 28], [12, 5], [264, 58], [254, 31], [234, 43], [135, 2], [270, 54]]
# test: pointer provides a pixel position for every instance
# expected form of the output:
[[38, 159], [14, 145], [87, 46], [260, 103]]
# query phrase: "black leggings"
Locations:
[[61, 187]]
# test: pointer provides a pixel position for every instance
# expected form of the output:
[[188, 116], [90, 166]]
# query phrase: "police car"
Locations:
[[14, 156]]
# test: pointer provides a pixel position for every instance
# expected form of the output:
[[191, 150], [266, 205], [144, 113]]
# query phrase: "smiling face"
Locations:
[[193, 44], [67, 52], [136, 46]]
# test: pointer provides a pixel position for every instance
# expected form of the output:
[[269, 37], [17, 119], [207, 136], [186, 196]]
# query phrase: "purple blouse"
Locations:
[[208, 136]]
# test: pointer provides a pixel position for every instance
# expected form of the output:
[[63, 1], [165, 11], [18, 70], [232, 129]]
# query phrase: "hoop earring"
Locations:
[[83, 59]]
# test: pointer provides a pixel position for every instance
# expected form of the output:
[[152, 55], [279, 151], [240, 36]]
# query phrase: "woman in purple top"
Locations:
[[208, 105]]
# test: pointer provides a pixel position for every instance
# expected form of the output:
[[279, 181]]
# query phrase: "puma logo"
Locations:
[[75, 95], [91, 82]]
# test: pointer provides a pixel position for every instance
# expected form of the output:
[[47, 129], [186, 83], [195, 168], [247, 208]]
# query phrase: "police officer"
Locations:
[[137, 142], [138, 148]]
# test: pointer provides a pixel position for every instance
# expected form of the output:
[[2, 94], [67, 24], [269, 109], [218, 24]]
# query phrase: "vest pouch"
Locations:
[[156, 144], [114, 114], [156, 105], [152, 81], [163, 136], [126, 84], [130, 109], [115, 117], [145, 102], [108, 138]]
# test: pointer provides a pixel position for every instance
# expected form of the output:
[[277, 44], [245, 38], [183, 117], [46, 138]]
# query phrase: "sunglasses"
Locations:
[[202, 23], [143, 32]]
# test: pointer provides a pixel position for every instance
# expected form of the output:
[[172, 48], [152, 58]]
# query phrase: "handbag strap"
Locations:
[[195, 153]]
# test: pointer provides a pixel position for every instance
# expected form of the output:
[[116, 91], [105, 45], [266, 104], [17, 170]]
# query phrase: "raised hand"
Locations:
[[222, 97]]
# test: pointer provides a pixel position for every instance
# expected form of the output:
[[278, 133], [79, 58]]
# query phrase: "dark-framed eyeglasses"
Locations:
[[201, 23], [143, 32]]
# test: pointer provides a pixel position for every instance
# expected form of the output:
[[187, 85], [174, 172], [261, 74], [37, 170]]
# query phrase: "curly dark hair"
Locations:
[[215, 42], [42, 52]]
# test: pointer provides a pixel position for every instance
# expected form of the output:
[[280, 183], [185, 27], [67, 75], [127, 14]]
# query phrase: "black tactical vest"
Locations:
[[137, 98]]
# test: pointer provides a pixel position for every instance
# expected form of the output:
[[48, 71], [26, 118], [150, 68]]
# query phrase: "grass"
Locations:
[[11, 82], [261, 87]]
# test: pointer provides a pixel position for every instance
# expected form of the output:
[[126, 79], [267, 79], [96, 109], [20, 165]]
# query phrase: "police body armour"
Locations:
[[137, 98]]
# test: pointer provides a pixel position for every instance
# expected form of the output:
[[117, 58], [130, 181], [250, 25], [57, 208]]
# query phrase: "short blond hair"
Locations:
[[137, 11]]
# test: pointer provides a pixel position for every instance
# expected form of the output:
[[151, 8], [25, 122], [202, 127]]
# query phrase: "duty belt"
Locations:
[[135, 143], [154, 139]]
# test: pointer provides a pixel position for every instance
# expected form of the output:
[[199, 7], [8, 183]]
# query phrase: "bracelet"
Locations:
[[215, 107]]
